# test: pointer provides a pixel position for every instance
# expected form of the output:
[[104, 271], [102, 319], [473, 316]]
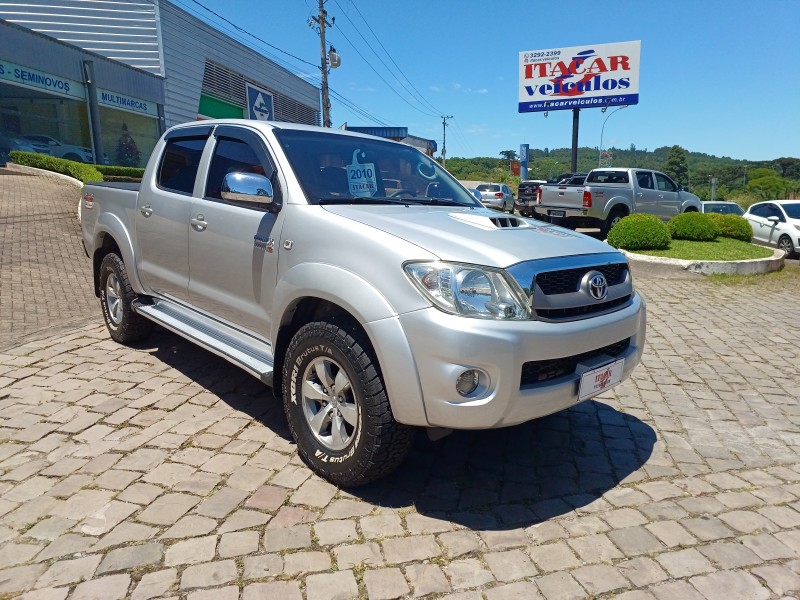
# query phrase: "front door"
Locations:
[[233, 249]]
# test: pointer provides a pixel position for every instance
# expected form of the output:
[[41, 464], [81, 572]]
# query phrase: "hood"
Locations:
[[472, 235]]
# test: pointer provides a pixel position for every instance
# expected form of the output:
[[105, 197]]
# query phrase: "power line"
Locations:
[[314, 79], [388, 69]]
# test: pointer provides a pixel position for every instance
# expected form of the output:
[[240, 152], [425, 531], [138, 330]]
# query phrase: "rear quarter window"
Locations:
[[607, 177], [179, 164]]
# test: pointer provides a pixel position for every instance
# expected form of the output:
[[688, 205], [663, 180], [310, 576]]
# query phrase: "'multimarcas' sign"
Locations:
[[591, 76]]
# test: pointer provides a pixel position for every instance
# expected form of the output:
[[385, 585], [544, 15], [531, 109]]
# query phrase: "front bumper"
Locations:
[[444, 346]]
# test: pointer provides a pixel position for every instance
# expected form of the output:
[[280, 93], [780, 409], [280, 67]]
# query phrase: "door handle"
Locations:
[[199, 223], [640, 194], [146, 210]]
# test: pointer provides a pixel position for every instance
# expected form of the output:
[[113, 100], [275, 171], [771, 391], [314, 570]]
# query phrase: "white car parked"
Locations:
[[776, 223], [53, 147]]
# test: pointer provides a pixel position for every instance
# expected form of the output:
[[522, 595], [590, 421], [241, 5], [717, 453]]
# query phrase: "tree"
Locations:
[[128, 154], [677, 165]]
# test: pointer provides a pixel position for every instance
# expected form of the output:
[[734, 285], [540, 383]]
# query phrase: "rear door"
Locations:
[[162, 220], [233, 253], [669, 201], [645, 196]]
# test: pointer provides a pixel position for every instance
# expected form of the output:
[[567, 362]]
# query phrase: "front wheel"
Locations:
[[116, 296], [337, 407], [785, 244]]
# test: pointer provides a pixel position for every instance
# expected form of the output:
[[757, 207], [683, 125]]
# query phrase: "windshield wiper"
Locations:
[[433, 201], [358, 200]]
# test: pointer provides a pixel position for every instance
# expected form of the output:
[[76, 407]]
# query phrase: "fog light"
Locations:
[[467, 382]]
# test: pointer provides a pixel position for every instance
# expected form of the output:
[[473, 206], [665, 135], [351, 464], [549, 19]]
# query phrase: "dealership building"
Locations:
[[85, 78]]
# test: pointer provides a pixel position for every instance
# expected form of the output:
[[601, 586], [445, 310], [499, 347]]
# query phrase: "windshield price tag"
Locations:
[[362, 177]]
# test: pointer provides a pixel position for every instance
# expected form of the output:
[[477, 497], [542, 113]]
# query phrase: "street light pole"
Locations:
[[602, 130]]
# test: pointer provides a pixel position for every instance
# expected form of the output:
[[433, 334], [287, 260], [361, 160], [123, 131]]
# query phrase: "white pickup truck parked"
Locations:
[[369, 311], [610, 194]]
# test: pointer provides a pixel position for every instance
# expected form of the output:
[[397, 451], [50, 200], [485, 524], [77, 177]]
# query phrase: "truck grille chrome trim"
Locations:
[[541, 371], [558, 289], [568, 280]]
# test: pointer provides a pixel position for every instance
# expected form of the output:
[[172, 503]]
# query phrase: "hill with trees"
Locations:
[[739, 180]]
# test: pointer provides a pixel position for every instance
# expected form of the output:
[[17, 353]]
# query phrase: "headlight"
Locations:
[[469, 290]]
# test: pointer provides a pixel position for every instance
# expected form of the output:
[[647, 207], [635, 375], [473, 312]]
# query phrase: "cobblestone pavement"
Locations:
[[161, 471], [43, 268]]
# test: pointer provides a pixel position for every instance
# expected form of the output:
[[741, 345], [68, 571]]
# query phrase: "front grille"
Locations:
[[539, 371], [568, 280], [575, 312]]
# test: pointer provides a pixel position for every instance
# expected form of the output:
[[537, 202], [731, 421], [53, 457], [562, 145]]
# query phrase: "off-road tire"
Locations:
[[377, 443], [116, 296], [614, 217]]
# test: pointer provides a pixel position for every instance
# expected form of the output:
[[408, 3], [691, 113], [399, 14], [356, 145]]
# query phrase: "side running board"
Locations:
[[254, 356]]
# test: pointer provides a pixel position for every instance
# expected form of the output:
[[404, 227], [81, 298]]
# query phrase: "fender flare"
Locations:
[[376, 316], [111, 225], [614, 203], [691, 203]]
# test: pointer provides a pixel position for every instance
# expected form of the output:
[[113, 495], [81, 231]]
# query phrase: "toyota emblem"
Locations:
[[598, 287]]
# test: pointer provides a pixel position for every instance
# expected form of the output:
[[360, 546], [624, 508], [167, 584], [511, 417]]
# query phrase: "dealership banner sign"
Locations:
[[591, 76], [39, 80]]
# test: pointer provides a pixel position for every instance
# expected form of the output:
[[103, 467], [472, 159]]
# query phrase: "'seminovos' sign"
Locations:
[[589, 76]]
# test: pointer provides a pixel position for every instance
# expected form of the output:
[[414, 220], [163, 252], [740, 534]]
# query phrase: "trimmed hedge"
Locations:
[[115, 171], [694, 226], [80, 171], [733, 226], [640, 232]]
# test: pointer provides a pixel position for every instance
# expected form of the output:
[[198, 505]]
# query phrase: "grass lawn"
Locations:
[[719, 249]]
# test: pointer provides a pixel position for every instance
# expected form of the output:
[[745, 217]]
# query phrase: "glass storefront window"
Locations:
[[128, 138], [35, 121]]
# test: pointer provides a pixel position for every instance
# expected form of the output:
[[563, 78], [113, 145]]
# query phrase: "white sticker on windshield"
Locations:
[[362, 177]]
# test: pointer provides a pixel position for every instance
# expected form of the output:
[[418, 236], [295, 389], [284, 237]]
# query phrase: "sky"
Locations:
[[721, 77]]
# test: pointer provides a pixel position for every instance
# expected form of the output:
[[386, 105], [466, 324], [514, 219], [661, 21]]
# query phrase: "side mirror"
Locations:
[[52, 143], [773, 219], [247, 187]]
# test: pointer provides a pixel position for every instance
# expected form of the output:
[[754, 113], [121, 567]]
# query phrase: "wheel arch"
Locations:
[[617, 203], [357, 306], [112, 236]]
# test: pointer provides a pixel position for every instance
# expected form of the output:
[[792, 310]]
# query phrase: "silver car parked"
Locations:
[[497, 196]]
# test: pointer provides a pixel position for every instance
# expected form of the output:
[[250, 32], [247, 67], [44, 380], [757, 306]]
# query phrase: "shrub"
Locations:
[[694, 226], [640, 232], [115, 171], [732, 226], [80, 171]]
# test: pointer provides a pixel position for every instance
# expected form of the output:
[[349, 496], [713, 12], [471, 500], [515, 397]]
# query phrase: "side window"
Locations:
[[179, 164], [230, 156], [664, 183], [760, 211], [644, 179], [774, 211]]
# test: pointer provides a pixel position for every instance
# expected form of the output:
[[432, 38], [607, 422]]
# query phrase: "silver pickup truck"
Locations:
[[369, 311], [609, 194]]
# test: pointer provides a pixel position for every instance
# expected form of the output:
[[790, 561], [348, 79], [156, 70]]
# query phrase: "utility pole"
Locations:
[[322, 22], [444, 139]]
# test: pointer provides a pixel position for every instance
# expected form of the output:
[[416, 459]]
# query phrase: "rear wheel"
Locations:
[[337, 407], [785, 244], [116, 296], [614, 217]]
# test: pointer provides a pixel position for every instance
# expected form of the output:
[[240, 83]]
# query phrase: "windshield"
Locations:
[[346, 169], [723, 209]]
